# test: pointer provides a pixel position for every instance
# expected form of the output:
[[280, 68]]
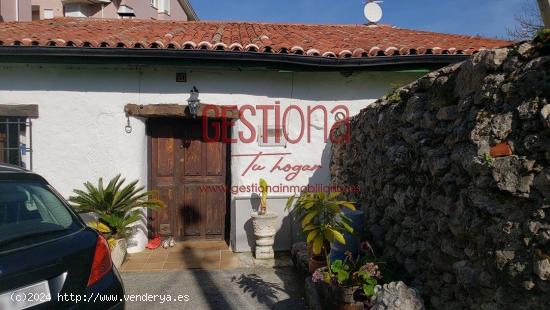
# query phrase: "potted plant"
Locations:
[[116, 207], [263, 223], [323, 222], [353, 279]]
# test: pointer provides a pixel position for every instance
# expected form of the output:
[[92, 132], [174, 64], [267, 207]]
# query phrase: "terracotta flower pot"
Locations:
[[316, 262]]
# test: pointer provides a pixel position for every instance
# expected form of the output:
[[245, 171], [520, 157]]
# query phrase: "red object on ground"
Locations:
[[501, 149], [154, 243]]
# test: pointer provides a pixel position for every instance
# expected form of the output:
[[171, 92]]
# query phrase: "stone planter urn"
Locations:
[[264, 231], [118, 252]]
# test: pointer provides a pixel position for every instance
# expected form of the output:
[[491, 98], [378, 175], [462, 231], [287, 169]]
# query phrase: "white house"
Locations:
[[95, 98]]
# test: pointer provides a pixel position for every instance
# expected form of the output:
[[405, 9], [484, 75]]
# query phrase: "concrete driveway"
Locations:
[[247, 288]]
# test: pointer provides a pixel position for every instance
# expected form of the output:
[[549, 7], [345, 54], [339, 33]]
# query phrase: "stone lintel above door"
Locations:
[[180, 110]]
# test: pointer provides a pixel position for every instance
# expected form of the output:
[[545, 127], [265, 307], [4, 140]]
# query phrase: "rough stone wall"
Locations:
[[454, 172]]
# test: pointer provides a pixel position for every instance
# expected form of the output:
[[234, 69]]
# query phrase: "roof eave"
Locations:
[[38, 54]]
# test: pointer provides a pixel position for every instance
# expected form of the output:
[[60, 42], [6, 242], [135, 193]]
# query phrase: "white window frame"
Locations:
[[50, 12], [164, 6]]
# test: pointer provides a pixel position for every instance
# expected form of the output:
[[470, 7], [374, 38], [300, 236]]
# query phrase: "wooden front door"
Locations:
[[189, 176]]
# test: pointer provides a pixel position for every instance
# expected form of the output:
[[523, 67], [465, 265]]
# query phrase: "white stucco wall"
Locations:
[[79, 135]]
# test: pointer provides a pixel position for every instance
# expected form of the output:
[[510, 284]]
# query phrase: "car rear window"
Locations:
[[31, 213]]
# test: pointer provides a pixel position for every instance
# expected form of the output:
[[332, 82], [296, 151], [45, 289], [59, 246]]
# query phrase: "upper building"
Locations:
[[27, 10]]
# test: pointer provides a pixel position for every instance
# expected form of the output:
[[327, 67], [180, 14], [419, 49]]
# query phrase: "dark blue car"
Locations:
[[49, 258]]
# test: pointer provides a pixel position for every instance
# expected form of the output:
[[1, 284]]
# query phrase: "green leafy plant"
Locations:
[[117, 206], [323, 220], [487, 159], [341, 271], [368, 281], [356, 272], [263, 197]]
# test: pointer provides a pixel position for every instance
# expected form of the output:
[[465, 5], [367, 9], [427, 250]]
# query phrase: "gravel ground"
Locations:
[[250, 288]]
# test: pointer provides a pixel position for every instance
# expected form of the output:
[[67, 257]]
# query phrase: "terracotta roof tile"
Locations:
[[342, 41]]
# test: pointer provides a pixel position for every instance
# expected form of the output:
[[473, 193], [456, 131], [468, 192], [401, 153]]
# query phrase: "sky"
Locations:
[[488, 18]]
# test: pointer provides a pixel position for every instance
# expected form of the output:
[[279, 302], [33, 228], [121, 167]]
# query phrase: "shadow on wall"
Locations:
[[318, 177], [327, 86], [322, 176], [138, 228], [290, 230]]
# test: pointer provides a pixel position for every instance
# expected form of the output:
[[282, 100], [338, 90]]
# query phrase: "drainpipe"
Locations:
[[544, 6], [16, 10]]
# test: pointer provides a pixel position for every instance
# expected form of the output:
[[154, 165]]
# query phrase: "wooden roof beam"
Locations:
[[180, 110]]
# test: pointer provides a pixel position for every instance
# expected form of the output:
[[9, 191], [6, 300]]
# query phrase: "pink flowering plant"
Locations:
[[360, 271], [321, 275]]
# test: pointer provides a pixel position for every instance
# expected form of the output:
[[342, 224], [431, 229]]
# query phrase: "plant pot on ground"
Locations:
[[118, 252], [315, 262], [117, 207], [353, 280], [264, 226]]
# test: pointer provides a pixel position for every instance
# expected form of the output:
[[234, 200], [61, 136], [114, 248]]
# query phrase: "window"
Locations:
[[15, 141], [75, 10], [125, 11], [48, 13], [30, 213], [16, 134], [35, 12], [272, 135], [164, 6]]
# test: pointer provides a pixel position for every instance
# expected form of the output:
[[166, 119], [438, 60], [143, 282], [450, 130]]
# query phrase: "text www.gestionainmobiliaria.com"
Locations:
[[278, 188]]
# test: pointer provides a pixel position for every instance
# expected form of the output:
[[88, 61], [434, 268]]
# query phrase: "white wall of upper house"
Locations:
[[15, 10], [26, 10]]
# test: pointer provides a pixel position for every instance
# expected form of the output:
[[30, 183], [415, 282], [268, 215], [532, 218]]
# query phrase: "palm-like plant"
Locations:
[[117, 206], [322, 218]]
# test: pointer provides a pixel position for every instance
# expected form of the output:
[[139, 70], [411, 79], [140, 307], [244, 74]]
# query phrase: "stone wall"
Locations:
[[454, 172]]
